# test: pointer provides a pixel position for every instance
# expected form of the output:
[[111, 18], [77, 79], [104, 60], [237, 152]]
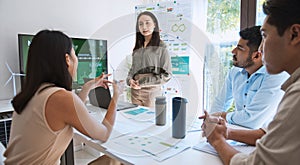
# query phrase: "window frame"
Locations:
[[248, 13]]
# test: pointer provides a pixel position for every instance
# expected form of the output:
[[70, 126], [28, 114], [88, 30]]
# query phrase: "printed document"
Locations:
[[242, 147]]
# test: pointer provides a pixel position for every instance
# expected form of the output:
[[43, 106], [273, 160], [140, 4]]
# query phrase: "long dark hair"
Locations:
[[46, 64], [139, 38]]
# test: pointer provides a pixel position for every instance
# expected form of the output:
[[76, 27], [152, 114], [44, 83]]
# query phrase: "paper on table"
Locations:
[[139, 114], [206, 147], [180, 147], [122, 127], [147, 145]]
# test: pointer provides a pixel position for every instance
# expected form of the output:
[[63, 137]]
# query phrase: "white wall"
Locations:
[[77, 18], [113, 20]]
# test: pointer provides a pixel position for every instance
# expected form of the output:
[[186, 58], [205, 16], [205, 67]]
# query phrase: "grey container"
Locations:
[[160, 110], [179, 117]]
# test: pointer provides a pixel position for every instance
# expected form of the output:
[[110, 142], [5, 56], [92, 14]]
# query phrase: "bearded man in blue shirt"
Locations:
[[254, 93]]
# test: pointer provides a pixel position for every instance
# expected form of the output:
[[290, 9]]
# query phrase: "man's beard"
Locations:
[[249, 62]]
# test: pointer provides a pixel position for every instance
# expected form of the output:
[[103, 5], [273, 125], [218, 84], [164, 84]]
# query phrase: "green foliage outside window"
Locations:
[[223, 23], [223, 15]]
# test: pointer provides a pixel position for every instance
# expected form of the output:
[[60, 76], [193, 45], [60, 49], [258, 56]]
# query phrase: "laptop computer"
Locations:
[[101, 97]]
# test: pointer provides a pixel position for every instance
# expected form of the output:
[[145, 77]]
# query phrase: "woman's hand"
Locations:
[[98, 81], [118, 87], [134, 84]]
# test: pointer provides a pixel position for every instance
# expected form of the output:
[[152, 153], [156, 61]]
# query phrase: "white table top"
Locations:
[[189, 156]]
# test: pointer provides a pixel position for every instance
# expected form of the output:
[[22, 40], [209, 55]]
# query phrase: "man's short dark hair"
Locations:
[[282, 13], [253, 35]]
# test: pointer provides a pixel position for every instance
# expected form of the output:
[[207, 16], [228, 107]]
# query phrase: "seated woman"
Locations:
[[46, 110]]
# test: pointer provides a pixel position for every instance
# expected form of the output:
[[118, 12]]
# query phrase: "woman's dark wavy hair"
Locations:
[[139, 39], [282, 13], [46, 64]]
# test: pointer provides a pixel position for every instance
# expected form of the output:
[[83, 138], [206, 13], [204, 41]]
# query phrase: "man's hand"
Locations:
[[217, 114], [209, 123], [214, 128], [220, 114]]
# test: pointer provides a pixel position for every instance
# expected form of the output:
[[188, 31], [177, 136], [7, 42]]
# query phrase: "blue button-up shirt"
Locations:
[[255, 98]]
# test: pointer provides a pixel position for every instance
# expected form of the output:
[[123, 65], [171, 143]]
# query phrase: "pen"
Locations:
[[148, 152], [195, 130]]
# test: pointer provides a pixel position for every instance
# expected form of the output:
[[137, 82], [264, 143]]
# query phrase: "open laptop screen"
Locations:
[[101, 97]]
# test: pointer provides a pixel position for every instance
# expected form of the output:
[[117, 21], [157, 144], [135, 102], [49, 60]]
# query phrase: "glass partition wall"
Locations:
[[222, 28]]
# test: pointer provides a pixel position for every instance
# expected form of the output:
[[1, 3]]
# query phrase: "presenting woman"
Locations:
[[151, 63]]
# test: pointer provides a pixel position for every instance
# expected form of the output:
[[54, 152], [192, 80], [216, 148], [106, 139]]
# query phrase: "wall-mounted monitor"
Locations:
[[91, 53]]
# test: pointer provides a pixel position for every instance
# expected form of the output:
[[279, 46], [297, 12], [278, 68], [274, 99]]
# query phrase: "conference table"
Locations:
[[135, 129]]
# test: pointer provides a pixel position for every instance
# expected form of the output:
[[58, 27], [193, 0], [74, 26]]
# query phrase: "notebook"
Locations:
[[101, 97]]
